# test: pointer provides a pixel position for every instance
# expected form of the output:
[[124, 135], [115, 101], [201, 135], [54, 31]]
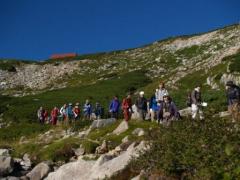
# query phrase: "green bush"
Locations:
[[89, 146], [200, 150]]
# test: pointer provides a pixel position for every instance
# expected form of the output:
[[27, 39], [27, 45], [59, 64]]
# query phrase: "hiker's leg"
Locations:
[[194, 111], [152, 113]]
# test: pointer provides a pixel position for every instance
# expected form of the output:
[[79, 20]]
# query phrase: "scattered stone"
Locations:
[[79, 151], [4, 152], [10, 178], [125, 139], [6, 165], [102, 123], [103, 148], [121, 128], [40, 171], [138, 132], [185, 112], [26, 162], [224, 114]]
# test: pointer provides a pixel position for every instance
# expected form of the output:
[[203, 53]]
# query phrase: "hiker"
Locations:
[[98, 111], [40, 115], [45, 116], [54, 115], [196, 101], [168, 110], [233, 99], [70, 113], [153, 107], [87, 110], [114, 107], [141, 104], [160, 92], [63, 112], [76, 112], [127, 108]]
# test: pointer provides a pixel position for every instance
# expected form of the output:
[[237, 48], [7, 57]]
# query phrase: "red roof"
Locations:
[[60, 56]]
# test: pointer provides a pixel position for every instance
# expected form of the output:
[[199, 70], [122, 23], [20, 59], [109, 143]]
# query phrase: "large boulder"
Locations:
[[6, 165], [106, 165], [4, 152], [121, 128], [39, 171], [102, 123]]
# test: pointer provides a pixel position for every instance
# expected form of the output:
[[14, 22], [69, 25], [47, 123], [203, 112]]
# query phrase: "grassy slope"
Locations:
[[23, 110]]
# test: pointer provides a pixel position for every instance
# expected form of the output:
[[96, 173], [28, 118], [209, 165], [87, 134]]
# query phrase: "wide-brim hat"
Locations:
[[141, 93]]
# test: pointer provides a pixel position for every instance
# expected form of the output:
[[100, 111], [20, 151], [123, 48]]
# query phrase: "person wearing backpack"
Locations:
[[70, 113], [87, 110], [98, 110], [54, 115], [40, 115], [63, 112], [127, 108], [168, 111], [141, 104], [233, 100], [160, 92], [196, 101], [76, 111], [153, 107], [114, 107]]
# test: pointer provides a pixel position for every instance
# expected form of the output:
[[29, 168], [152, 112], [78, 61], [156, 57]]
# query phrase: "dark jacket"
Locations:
[[169, 107], [233, 95], [196, 97], [141, 103]]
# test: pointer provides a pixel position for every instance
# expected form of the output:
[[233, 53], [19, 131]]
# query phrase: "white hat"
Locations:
[[141, 93]]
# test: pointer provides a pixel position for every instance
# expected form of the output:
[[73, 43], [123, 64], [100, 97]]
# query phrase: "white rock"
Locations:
[[138, 132], [4, 152], [6, 165], [39, 171], [104, 167], [102, 123], [121, 128]]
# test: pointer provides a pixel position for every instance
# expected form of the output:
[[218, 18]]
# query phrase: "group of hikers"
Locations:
[[160, 107]]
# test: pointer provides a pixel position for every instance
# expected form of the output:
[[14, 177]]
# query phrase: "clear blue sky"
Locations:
[[35, 29]]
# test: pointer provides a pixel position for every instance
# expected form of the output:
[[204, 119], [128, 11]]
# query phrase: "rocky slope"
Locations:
[[172, 59]]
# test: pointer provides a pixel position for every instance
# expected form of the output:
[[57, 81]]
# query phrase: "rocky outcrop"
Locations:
[[6, 165], [106, 165], [102, 123], [40, 171], [123, 126]]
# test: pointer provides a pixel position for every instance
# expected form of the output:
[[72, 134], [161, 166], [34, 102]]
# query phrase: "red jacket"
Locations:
[[54, 112], [126, 104]]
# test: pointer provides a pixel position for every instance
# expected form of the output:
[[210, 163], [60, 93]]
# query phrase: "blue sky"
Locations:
[[36, 29]]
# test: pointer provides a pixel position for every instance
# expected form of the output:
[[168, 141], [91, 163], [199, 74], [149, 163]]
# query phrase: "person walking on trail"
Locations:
[[70, 113], [153, 107], [63, 112], [114, 107], [168, 111], [76, 111], [141, 104], [46, 118], [233, 100], [40, 115], [196, 100], [160, 92], [87, 110], [54, 115], [98, 111], [127, 108]]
